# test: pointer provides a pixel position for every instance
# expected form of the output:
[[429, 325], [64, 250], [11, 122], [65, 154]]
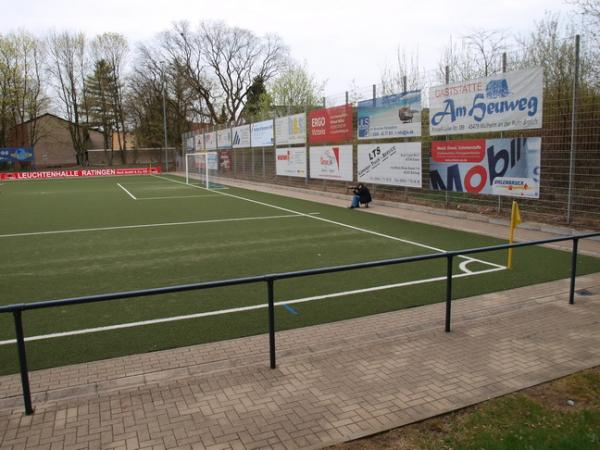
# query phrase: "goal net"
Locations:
[[201, 168]]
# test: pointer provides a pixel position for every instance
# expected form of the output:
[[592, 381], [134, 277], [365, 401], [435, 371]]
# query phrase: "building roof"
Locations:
[[54, 116]]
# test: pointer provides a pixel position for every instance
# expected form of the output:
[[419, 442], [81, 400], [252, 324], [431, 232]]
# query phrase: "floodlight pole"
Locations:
[[164, 105]]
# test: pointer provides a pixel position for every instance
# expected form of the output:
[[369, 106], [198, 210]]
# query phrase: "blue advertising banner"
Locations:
[[397, 115], [14, 154]]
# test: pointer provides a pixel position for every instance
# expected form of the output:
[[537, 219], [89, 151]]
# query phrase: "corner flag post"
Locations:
[[515, 219]]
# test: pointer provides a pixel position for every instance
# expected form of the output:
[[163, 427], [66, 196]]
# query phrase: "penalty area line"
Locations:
[[284, 303], [128, 193]]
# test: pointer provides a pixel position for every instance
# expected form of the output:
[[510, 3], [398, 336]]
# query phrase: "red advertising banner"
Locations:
[[49, 174], [330, 124], [458, 151]]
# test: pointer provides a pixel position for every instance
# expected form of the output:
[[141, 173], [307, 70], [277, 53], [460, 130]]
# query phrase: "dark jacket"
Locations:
[[363, 194]]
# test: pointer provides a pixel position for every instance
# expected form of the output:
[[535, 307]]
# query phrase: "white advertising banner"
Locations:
[[261, 134], [505, 101], [210, 140], [224, 138], [212, 160], [290, 130], [397, 115], [509, 167], [198, 142], [241, 136], [331, 162], [291, 162], [189, 144], [397, 164]]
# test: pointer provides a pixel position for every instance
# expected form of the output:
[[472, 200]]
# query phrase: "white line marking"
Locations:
[[151, 225], [463, 266], [240, 309], [129, 193], [177, 196], [364, 230]]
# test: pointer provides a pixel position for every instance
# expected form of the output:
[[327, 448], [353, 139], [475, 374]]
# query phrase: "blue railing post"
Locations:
[[23, 362], [573, 271], [270, 283], [448, 290]]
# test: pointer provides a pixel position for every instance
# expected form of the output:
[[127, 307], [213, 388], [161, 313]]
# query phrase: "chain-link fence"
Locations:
[[570, 155]]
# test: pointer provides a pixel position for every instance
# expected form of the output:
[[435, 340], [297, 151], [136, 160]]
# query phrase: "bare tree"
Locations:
[[112, 48], [221, 63], [458, 59], [66, 66], [551, 46], [478, 55], [590, 10], [488, 46], [405, 74]]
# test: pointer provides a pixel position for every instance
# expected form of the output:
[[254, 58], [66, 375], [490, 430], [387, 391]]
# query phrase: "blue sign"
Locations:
[[397, 115], [13, 154]]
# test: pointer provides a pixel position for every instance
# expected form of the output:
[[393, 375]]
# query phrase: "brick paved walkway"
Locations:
[[333, 383]]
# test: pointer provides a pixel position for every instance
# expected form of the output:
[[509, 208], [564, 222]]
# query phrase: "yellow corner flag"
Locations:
[[515, 219]]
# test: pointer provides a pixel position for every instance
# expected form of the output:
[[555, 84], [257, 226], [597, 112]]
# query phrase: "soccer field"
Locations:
[[73, 237]]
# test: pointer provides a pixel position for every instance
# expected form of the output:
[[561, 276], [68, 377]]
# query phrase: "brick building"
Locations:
[[53, 146]]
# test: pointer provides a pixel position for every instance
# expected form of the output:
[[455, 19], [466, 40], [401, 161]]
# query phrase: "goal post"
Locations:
[[201, 168]]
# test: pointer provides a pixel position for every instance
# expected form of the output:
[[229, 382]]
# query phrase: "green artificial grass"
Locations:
[[192, 235]]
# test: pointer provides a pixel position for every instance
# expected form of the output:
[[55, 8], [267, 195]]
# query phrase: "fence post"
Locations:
[[573, 131], [573, 271], [270, 283], [501, 133], [447, 79], [23, 362], [374, 95], [448, 291]]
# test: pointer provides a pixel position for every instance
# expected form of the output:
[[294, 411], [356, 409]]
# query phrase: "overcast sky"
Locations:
[[341, 41]]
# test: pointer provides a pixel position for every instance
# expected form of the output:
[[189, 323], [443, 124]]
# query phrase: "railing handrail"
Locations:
[[17, 309], [277, 276]]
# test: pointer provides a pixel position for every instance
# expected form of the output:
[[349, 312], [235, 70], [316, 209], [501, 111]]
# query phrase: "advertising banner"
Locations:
[[212, 160], [397, 115], [49, 174], [225, 161], [331, 162], [290, 130], [291, 162], [241, 136], [505, 101], [224, 138], [261, 134], [16, 154], [396, 164], [210, 140], [198, 142], [189, 144], [330, 124], [509, 167]]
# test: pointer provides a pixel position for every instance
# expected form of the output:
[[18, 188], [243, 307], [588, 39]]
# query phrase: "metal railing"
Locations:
[[17, 309]]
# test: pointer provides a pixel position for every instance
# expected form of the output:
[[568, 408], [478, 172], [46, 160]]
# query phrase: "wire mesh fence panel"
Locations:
[[569, 169]]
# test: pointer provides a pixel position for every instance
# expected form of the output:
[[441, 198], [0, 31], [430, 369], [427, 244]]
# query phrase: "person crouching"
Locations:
[[361, 195]]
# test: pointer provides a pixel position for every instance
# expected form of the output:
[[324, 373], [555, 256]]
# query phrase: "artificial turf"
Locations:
[[73, 237]]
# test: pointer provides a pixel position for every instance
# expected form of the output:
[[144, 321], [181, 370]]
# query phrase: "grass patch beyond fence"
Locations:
[[560, 415]]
